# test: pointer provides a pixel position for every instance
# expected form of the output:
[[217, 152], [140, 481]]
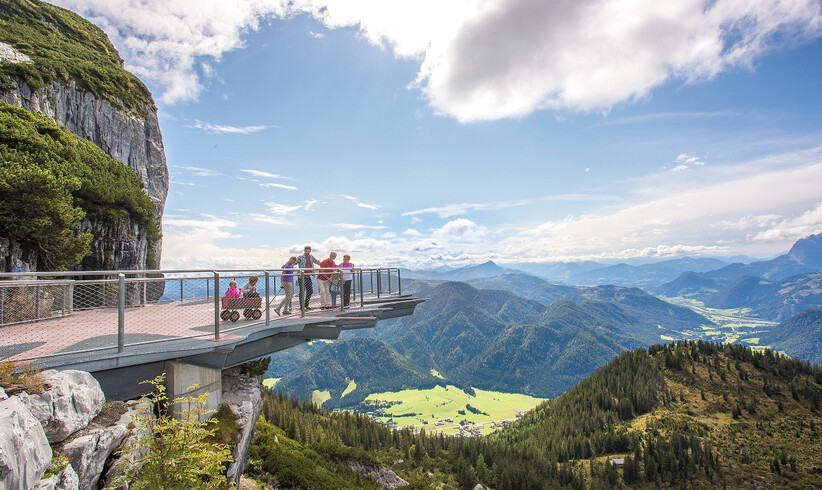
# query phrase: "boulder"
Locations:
[[380, 474], [25, 453], [65, 480], [242, 394], [89, 448], [71, 400]]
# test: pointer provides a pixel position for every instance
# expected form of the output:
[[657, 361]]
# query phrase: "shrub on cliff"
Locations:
[[173, 452], [51, 178], [65, 48]]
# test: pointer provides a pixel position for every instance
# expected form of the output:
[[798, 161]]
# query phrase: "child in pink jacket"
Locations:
[[232, 291]]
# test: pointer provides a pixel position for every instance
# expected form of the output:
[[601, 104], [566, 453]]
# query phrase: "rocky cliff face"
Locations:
[[132, 137], [72, 421]]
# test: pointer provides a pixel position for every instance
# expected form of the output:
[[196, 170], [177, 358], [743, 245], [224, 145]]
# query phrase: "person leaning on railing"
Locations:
[[326, 275], [287, 284], [346, 268], [307, 261]]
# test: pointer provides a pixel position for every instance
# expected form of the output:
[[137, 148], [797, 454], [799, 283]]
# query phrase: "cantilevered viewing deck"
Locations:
[[123, 326]]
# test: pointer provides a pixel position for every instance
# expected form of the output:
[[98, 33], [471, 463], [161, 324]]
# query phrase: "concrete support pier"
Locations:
[[180, 381]]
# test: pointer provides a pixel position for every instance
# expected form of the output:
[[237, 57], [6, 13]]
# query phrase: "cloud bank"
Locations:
[[479, 60]]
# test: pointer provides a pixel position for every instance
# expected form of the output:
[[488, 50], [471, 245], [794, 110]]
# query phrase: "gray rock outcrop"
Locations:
[[66, 479], [380, 474], [131, 136], [88, 449], [242, 394], [72, 399], [25, 453]]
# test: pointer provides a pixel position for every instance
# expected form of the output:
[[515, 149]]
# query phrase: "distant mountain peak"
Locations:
[[808, 251]]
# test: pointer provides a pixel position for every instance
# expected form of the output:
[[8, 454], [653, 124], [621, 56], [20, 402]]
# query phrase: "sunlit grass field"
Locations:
[[439, 403], [732, 324]]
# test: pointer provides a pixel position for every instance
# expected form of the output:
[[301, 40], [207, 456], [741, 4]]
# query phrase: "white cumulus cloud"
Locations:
[[479, 59], [461, 229]]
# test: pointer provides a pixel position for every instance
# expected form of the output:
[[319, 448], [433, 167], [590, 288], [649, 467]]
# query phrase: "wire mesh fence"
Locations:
[[51, 313]]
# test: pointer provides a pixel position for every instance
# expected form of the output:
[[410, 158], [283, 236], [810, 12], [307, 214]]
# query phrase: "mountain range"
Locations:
[[516, 332], [586, 273], [491, 339], [804, 257]]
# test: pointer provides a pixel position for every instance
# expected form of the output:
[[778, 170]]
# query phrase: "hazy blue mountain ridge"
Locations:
[[799, 336], [639, 314], [805, 256], [647, 275]]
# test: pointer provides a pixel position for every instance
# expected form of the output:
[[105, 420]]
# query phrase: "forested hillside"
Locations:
[[771, 300], [486, 339], [351, 370], [798, 336], [696, 414], [640, 314], [496, 340]]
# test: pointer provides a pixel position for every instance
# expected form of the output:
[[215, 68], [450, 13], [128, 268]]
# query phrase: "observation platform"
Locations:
[[127, 326]]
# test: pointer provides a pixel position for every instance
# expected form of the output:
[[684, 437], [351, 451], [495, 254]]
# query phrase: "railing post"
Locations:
[[362, 296], [121, 311], [216, 305], [302, 293], [181, 289], [379, 282], [208, 288], [399, 283], [267, 309], [389, 281], [144, 289], [36, 302]]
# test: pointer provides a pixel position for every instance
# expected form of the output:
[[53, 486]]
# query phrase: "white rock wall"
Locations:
[[72, 399], [25, 453]]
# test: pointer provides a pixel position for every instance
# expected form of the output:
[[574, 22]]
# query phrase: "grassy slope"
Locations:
[[64, 47]]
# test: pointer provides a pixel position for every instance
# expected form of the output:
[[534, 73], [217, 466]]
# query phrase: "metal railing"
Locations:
[[57, 313]]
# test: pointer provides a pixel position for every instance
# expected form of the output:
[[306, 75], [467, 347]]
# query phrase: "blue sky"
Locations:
[[430, 133]]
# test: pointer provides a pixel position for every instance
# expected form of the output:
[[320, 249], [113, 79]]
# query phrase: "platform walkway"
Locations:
[[144, 319]]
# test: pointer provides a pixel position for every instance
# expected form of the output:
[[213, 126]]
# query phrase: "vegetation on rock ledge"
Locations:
[[64, 47], [51, 178]]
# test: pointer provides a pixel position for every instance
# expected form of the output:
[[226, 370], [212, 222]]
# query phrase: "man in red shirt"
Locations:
[[324, 279]]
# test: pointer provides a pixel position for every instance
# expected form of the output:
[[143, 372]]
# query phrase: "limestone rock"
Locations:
[[132, 137], [3, 395], [72, 399], [24, 451], [89, 449], [65, 480], [244, 397], [380, 474], [117, 464]]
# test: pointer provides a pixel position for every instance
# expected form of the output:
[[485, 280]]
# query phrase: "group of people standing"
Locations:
[[329, 275]]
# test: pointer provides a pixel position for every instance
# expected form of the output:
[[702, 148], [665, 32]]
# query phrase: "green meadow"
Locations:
[[439, 403], [733, 324]]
